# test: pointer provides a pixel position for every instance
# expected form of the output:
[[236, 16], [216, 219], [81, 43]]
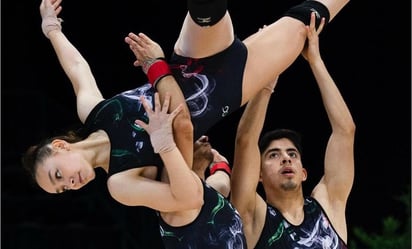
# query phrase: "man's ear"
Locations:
[[305, 174]]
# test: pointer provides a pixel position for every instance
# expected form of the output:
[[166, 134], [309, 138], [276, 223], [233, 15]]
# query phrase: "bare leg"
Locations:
[[334, 6], [197, 42], [272, 50]]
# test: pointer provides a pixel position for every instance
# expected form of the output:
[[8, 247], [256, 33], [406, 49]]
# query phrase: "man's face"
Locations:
[[282, 166], [202, 153]]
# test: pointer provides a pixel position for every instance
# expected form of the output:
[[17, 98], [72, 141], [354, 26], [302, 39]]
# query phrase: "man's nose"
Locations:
[[286, 159]]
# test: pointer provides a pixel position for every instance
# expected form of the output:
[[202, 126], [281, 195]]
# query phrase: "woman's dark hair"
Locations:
[[277, 134], [38, 153]]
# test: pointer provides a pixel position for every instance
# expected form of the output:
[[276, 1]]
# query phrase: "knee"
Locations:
[[303, 11], [207, 12]]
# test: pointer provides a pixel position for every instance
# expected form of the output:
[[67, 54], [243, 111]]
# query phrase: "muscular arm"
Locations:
[[247, 166], [146, 49], [72, 62], [339, 158], [334, 187]]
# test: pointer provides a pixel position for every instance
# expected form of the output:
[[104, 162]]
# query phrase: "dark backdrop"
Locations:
[[367, 49]]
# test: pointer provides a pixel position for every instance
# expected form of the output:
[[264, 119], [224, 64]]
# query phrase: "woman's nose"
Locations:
[[71, 182]]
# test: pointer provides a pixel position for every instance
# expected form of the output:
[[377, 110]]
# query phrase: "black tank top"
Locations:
[[218, 226], [315, 232]]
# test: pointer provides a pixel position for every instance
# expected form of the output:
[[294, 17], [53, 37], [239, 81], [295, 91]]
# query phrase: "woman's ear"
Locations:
[[60, 144]]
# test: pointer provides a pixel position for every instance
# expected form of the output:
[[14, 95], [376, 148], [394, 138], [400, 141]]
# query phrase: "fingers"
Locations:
[[321, 25], [141, 124], [312, 25], [166, 104], [144, 39], [58, 10], [146, 105], [56, 3], [176, 111], [157, 103]]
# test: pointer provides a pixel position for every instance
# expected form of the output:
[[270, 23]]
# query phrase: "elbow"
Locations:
[[224, 190], [350, 128], [347, 129], [183, 124], [242, 140], [195, 203]]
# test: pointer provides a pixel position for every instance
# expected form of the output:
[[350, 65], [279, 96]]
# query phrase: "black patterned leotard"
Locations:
[[212, 88], [218, 226], [315, 232]]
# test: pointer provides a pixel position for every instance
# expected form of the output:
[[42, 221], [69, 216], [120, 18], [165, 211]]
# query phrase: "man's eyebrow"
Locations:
[[277, 149], [272, 150]]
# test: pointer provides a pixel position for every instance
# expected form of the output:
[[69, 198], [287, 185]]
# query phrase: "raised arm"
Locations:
[[334, 187], [247, 162], [186, 190], [74, 65], [147, 54]]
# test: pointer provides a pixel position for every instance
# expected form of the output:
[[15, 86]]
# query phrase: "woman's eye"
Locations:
[[58, 175]]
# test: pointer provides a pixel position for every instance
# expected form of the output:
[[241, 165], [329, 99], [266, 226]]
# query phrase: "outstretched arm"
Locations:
[[334, 187], [247, 164], [186, 189], [72, 62]]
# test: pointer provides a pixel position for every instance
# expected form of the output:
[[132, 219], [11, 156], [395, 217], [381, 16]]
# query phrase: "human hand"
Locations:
[[160, 124], [217, 157], [49, 10], [145, 50], [311, 49]]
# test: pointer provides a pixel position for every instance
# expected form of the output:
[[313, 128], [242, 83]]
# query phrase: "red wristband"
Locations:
[[220, 166], [158, 70]]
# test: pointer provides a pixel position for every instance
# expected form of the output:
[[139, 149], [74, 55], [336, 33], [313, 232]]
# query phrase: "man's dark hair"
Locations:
[[269, 136]]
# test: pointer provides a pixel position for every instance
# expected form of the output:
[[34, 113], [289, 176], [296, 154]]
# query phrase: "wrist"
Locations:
[[156, 70], [220, 166], [51, 23]]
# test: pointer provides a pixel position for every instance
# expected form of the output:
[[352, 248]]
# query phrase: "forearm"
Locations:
[[335, 106], [185, 185], [253, 117], [72, 62]]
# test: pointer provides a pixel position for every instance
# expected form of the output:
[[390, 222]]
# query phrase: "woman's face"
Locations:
[[64, 170]]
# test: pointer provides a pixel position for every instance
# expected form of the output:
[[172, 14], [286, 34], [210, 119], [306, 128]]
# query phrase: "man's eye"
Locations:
[[273, 155], [293, 154]]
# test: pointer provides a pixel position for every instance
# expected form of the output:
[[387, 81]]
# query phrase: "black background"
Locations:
[[367, 49]]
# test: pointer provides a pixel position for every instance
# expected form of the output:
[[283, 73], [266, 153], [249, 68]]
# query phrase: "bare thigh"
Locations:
[[198, 42], [270, 52]]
